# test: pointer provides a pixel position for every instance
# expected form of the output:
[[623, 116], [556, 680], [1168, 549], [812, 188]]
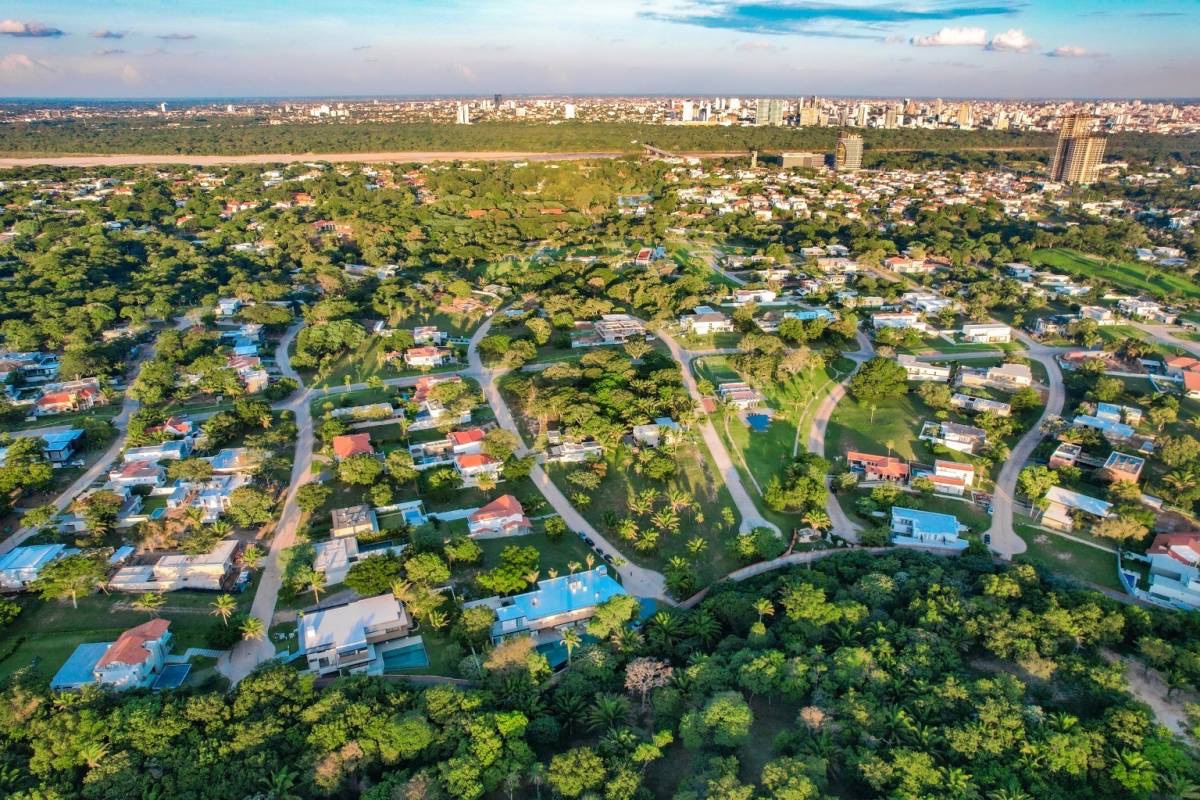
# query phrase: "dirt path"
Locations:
[[1150, 688]]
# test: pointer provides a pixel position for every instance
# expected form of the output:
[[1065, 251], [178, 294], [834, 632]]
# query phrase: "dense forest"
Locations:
[[222, 137], [899, 676]]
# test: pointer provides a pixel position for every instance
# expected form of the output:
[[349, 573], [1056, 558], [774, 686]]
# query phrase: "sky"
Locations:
[[878, 48]]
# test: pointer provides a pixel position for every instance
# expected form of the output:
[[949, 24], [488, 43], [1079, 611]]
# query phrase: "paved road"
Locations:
[[842, 524], [637, 580], [241, 660], [93, 473], [751, 518], [1005, 542], [1165, 334], [711, 256]]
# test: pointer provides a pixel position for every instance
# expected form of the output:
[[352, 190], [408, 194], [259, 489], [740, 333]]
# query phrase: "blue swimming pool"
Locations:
[[758, 422], [411, 657], [172, 676]]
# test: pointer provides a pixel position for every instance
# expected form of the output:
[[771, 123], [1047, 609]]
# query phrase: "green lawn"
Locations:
[[101, 412], [1065, 557], [366, 362], [1113, 335], [854, 426], [47, 632], [969, 514], [556, 553], [697, 475], [1126, 275]]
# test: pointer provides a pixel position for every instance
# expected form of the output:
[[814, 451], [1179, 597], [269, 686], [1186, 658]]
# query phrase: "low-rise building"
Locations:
[[1175, 570], [1123, 467], [918, 370], [963, 438], [472, 466], [743, 296], [739, 395], [213, 571], [1006, 377], [1065, 455], [171, 450], [986, 333], [575, 452], [352, 444], [926, 530], [134, 661], [979, 405], [354, 637], [878, 468], [427, 357], [504, 516], [555, 604], [21, 566], [705, 321], [353, 520], [1062, 502]]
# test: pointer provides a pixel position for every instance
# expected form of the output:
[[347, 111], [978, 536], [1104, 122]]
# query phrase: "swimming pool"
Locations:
[[172, 676], [758, 422], [410, 657]]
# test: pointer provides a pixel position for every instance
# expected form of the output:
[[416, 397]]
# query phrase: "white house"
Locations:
[[743, 296], [1175, 570], [209, 571], [428, 356], [986, 333], [20, 566], [705, 321], [963, 438], [354, 637], [134, 661], [504, 516], [918, 370], [472, 466]]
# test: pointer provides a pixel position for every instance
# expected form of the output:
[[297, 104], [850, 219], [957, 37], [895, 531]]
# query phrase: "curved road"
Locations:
[[751, 518], [1005, 542], [637, 580], [842, 524]]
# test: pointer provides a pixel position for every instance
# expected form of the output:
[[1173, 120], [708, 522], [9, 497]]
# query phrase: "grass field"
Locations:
[[47, 632], [1065, 557], [101, 412], [1127, 275], [697, 475], [898, 421], [969, 514], [1113, 335]]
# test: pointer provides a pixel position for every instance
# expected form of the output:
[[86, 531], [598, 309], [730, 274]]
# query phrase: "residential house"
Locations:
[[59, 447], [354, 637], [897, 319], [878, 468], [1122, 467], [963, 438], [1098, 314], [333, 558], [908, 266], [986, 333], [21, 566], [619, 328], [1062, 502], [926, 530], [1065, 455], [352, 521], [473, 466], [429, 335], [228, 306], [557, 603], [743, 296], [1175, 571], [705, 321], [739, 395], [951, 477], [428, 357], [134, 661], [352, 444], [652, 434], [979, 405], [212, 571], [1115, 432], [1006, 377], [71, 396], [918, 370], [575, 452], [171, 450], [504, 516], [231, 460], [139, 473]]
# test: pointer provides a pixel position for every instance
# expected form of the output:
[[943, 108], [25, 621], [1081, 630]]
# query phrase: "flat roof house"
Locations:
[[555, 604], [1122, 467], [1175, 570], [918, 370], [986, 333], [978, 405], [353, 520], [1061, 502], [353, 638], [171, 450], [705, 321], [739, 395], [926, 530], [211, 571]]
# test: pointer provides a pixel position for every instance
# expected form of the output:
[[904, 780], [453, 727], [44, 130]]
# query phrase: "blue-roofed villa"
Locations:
[[554, 605], [927, 530], [59, 446]]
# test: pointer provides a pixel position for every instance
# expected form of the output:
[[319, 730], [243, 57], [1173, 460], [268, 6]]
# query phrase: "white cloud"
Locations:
[[1069, 51], [1013, 40], [12, 27], [953, 37]]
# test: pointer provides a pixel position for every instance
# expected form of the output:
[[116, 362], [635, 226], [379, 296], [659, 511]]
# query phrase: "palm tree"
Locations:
[[665, 519], [536, 773], [570, 640], [150, 602], [817, 519], [697, 545], [532, 576], [312, 580], [253, 629], [220, 527], [93, 753], [485, 483], [678, 499], [764, 607], [223, 607], [551, 573], [590, 560], [195, 516], [607, 711], [251, 556], [574, 566], [890, 444], [437, 618], [627, 529]]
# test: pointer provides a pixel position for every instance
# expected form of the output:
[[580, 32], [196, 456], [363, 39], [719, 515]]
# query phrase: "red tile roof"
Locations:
[[474, 460], [466, 437], [505, 506], [130, 646], [353, 444]]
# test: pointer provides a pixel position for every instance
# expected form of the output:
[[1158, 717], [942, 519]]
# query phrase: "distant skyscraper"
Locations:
[[848, 155], [568, 111], [808, 117], [769, 112], [464, 114], [860, 115], [965, 118], [891, 117], [496, 99], [686, 114], [1080, 151], [162, 108]]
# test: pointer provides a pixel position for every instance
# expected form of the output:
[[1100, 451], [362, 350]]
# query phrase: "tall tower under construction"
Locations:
[[1080, 151]]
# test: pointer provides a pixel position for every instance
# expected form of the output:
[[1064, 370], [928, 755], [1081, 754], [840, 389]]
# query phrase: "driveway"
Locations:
[[1005, 542], [638, 581], [751, 518], [842, 524]]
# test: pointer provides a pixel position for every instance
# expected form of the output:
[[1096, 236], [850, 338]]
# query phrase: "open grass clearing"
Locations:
[[1064, 557], [1128, 275]]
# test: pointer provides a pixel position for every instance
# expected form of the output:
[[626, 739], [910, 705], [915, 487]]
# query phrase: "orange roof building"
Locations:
[[353, 444]]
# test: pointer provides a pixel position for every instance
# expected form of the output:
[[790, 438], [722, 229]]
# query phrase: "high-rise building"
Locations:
[[965, 119], [496, 99], [848, 155], [891, 117], [768, 112], [687, 112], [807, 117], [860, 115], [464, 114], [568, 111], [1080, 150], [806, 160]]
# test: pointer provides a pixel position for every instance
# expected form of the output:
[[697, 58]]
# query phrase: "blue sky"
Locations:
[[992, 48]]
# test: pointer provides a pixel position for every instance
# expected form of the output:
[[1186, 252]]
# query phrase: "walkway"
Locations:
[[751, 518], [128, 407], [842, 524], [1004, 540]]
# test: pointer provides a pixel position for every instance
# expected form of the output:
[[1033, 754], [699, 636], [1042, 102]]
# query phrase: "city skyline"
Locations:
[[144, 49]]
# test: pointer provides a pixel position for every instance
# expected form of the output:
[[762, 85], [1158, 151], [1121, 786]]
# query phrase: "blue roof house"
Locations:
[[556, 603], [926, 530]]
